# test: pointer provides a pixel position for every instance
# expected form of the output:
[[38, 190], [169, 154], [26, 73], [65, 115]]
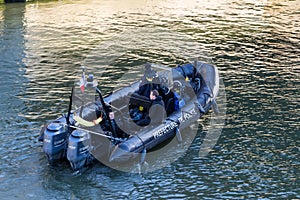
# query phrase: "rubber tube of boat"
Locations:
[[178, 135], [78, 152], [55, 140]]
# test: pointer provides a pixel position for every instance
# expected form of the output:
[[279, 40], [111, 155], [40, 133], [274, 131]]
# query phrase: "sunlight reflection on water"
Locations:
[[255, 45]]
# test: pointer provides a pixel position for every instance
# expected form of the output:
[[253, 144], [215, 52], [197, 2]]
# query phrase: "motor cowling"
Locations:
[[55, 141], [78, 152]]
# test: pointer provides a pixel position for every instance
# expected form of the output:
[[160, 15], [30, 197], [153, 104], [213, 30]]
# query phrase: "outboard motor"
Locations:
[[78, 152], [55, 140]]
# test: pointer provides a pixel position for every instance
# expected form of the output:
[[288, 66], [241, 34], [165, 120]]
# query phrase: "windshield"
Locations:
[[84, 98]]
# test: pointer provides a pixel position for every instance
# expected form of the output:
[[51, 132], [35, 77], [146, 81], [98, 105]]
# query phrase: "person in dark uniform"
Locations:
[[150, 81], [157, 112]]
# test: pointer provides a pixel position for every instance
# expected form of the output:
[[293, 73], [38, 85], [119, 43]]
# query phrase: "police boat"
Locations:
[[108, 129]]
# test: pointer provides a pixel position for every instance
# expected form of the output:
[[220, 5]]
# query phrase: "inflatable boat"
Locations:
[[109, 129]]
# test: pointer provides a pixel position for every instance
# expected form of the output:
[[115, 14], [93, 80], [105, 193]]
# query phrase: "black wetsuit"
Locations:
[[146, 86]]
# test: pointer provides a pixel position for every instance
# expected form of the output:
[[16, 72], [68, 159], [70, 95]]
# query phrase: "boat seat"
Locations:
[[139, 100]]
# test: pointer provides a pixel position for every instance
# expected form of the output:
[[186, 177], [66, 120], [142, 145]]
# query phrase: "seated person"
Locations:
[[150, 81], [157, 112], [178, 95]]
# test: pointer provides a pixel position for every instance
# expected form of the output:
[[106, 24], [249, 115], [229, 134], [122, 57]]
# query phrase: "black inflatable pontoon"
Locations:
[[105, 128]]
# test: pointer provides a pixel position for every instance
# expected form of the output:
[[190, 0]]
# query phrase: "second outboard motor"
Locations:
[[78, 152], [55, 140]]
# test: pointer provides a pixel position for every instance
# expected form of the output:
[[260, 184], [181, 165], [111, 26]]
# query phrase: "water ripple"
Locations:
[[254, 44]]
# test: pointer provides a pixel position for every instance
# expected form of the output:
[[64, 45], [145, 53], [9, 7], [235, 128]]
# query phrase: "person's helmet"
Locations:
[[90, 78], [151, 75]]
